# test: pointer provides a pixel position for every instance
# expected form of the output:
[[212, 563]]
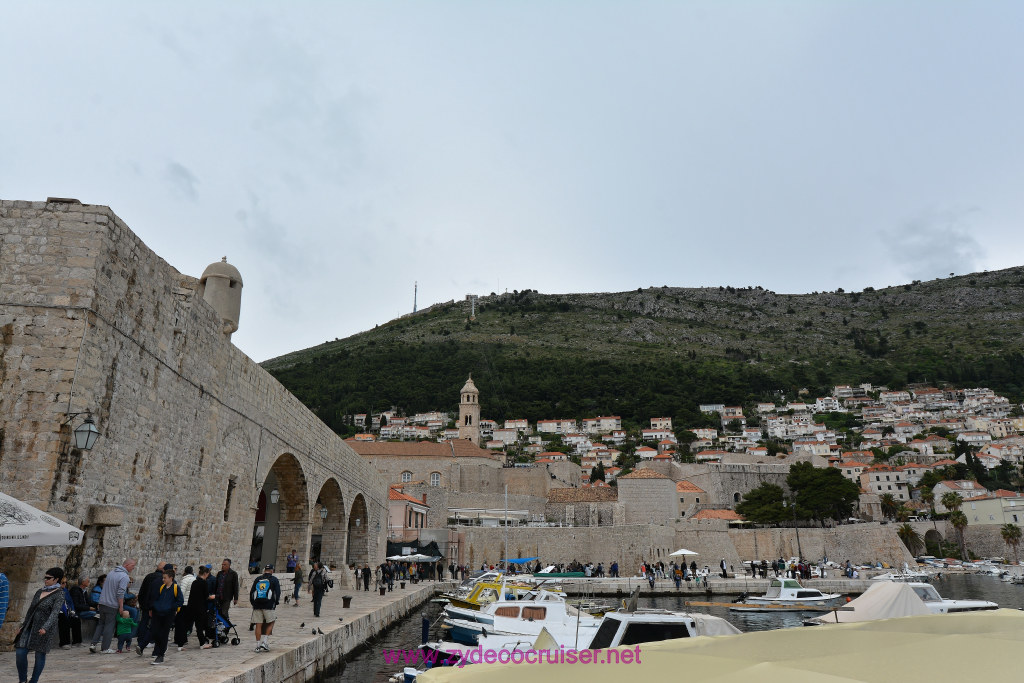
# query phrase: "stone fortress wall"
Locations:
[[712, 540], [190, 428]]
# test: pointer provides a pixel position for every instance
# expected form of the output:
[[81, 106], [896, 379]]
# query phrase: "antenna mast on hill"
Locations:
[[415, 288]]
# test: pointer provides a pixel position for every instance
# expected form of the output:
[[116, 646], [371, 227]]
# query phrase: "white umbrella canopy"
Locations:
[[22, 525], [682, 551]]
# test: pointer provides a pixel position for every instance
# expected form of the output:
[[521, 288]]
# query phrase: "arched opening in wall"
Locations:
[[330, 530], [736, 497], [358, 533], [933, 543], [282, 515]]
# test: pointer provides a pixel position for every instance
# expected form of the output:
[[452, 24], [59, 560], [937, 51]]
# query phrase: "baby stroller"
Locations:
[[223, 629]]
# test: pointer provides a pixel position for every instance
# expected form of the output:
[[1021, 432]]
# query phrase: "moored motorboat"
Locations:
[[787, 594], [939, 605]]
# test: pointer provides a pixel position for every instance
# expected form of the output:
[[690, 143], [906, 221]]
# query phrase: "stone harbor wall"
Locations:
[[191, 430], [629, 545]]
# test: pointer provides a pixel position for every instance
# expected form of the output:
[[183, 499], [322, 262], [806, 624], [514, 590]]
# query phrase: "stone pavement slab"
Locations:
[[295, 654]]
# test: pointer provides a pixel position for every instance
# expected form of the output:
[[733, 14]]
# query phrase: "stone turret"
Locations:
[[221, 287]]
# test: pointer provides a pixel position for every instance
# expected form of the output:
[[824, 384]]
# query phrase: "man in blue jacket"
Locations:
[[166, 603], [264, 595]]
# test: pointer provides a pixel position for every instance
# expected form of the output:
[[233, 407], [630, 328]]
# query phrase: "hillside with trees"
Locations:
[[661, 351]]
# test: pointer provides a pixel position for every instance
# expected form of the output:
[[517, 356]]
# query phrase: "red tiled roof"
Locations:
[[688, 487], [644, 474], [730, 515], [395, 494]]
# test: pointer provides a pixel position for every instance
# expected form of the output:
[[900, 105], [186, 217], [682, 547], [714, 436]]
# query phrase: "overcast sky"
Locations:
[[338, 152]]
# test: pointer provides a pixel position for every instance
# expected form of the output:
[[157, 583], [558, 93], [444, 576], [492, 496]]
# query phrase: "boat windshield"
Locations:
[[928, 593], [603, 637], [653, 633]]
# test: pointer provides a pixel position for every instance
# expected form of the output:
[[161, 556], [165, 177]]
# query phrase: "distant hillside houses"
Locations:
[[923, 423]]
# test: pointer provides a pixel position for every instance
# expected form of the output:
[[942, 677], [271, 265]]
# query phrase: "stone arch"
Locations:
[[933, 542], [286, 524], [331, 532], [358, 533]]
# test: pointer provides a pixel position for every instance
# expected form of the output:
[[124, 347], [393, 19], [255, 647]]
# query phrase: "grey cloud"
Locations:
[[182, 180], [935, 244]]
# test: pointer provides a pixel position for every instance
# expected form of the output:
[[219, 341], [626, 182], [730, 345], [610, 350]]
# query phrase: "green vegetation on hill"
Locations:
[[661, 351]]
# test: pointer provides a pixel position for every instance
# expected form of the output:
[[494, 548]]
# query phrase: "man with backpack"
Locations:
[[318, 586], [264, 596]]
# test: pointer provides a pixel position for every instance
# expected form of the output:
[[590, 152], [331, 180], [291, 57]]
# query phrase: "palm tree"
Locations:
[[928, 497], [951, 500], [889, 505], [903, 514], [908, 534], [1011, 534], [959, 522]]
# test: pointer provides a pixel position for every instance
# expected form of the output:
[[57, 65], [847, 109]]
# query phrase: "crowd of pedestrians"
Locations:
[[123, 609]]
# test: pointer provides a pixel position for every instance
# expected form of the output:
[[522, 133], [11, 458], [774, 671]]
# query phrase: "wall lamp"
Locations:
[[275, 496], [85, 434]]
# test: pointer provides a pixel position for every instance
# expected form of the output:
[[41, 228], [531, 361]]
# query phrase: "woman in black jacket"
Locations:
[[39, 627], [193, 614]]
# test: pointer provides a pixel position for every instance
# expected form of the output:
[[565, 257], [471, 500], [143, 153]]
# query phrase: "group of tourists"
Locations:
[[161, 601]]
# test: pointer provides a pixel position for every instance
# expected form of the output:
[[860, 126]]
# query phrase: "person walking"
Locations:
[[110, 604], [297, 583], [264, 597], [366, 577], [150, 585], [125, 629], [227, 589], [317, 586], [39, 626], [182, 624], [193, 614], [168, 600]]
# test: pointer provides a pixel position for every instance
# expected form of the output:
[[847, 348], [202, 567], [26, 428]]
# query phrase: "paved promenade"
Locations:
[[295, 653]]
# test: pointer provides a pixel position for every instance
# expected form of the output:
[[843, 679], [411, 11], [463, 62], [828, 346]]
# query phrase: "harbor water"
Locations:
[[370, 664]]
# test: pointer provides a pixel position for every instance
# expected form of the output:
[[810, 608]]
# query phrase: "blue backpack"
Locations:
[[263, 589]]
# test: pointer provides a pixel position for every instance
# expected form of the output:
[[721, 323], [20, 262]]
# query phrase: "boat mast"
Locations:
[[506, 528]]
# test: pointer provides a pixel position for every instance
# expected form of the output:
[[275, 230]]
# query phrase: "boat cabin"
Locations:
[[789, 589], [630, 629]]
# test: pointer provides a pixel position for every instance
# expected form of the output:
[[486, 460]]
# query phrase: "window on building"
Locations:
[[696, 500], [435, 478], [406, 477], [736, 497]]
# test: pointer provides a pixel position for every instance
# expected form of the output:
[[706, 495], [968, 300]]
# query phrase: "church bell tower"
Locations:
[[469, 412]]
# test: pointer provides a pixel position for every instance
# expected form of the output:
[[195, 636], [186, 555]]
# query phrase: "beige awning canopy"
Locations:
[[940, 648]]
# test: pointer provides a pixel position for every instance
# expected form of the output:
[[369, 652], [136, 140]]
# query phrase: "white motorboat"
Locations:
[[624, 627], [788, 594], [939, 605], [524, 619]]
